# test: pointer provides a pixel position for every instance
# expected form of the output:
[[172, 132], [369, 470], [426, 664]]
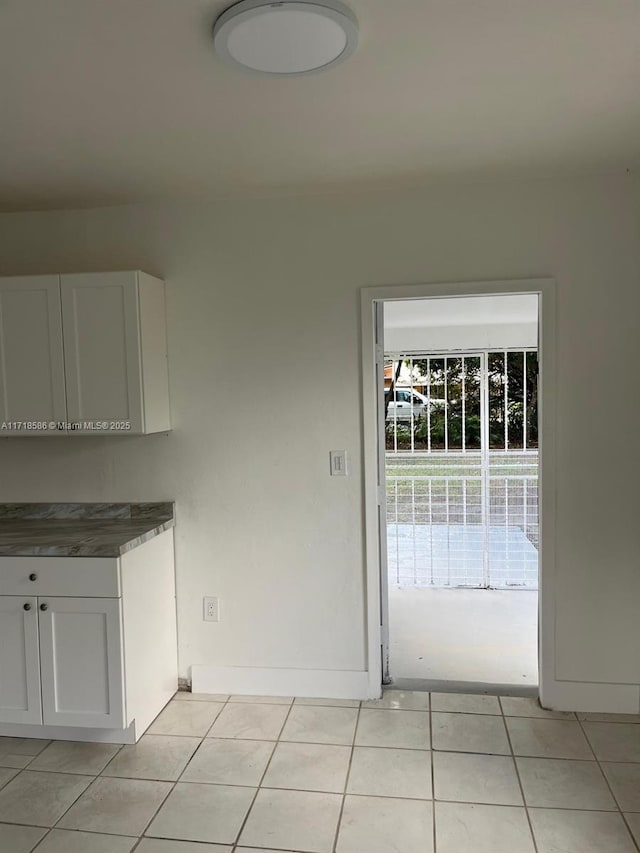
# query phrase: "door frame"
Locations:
[[374, 493]]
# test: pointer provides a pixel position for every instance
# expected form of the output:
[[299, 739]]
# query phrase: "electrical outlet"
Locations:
[[211, 609]]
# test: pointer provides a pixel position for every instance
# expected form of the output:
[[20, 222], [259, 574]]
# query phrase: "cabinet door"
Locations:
[[31, 355], [19, 660], [100, 318], [81, 662]]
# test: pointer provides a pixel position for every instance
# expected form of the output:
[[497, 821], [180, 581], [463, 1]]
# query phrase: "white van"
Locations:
[[407, 403]]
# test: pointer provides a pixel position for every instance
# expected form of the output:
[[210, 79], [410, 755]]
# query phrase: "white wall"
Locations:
[[260, 287]]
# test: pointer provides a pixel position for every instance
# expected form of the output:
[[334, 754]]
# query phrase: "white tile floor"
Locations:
[[410, 773]]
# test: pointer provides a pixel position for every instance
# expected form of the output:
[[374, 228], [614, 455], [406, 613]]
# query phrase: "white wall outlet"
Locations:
[[211, 609], [338, 461]]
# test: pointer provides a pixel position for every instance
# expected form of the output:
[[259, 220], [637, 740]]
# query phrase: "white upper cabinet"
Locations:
[[115, 350], [85, 349], [31, 355]]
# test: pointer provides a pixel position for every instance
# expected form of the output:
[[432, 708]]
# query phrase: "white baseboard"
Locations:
[[260, 681], [340, 684], [597, 698], [127, 735]]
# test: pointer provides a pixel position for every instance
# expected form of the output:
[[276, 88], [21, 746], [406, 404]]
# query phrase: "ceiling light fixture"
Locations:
[[288, 37]]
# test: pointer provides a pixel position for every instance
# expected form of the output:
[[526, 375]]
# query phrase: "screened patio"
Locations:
[[462, 469]]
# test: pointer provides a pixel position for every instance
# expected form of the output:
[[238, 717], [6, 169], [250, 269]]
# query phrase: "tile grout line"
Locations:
[[11, 778], [433, 777], [182, 772], [334, 846], [153, 816], [202, 740], [517, 769], [319, 791], [235, 843], [93, 779], [606, 779], [174, 783], [359, 795], [320, 743]]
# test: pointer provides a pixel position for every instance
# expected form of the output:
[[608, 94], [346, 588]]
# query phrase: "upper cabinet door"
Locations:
[[102, 350], [32, 384]]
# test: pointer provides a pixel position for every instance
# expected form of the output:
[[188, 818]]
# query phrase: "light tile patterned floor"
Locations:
[[410, 772]]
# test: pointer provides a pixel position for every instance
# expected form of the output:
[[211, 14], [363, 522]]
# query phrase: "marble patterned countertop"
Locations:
[[80, 529]]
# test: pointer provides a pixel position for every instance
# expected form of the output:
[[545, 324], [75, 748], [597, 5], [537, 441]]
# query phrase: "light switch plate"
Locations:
[[338, 461]]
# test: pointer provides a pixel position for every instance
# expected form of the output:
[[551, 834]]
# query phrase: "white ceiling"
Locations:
[[460, 311], [105, 101]]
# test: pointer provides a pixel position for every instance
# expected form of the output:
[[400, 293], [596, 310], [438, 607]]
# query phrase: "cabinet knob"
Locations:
[[26, 606], [44, 607], [33, 576]]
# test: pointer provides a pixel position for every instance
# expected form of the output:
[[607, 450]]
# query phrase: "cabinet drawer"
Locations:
[[95, 577]]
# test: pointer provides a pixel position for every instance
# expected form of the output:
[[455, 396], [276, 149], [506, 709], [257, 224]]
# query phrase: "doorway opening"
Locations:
[[458, 443]]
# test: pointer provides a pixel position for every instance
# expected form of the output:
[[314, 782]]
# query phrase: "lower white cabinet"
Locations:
[[81, 662], [61, 661], [19, 660], [90, 667]]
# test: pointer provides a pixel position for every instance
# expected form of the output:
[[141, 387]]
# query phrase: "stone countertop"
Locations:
[[80, 530]]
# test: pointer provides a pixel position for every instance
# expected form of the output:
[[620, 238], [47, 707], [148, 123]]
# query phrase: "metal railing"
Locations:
[[462, 471], [439, 533]]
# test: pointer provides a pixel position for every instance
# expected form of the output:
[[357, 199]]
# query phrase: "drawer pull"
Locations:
[[26, 606], [33, 576], [44, 607]]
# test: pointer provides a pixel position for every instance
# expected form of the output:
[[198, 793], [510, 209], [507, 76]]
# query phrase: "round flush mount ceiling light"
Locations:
[[284, 38]]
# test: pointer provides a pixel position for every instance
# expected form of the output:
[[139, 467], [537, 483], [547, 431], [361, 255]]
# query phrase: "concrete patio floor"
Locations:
[[464, 638], [454, 554]]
